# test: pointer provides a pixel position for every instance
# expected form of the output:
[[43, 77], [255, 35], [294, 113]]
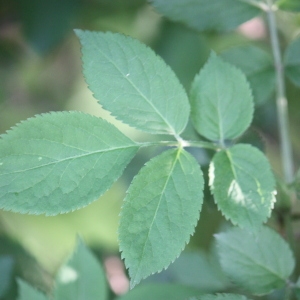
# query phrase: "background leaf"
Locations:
[[160, 212], [46, 23], [27, 292], [81, 278], [160, 292], [6, 275], [207, 15], [59, 162], [221, 100], [220, 297], [258, 68], [292, 61], [199, 269], [290, 5], [134, 84], [255, 261], [243, 185]]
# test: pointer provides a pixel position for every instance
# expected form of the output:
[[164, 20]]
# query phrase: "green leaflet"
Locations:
[[243, 185], [289, 5], [208, 15], [160, 292], [59, 162], [292, 62], [27, 292], [220, 297], [258, 262], [160, 212], [221, 100], [134, 84], [81, 278], [258, 68]]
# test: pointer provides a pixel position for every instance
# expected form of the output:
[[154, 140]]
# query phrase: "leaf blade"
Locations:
[[62, 157], [254, 261], [221, 101], [160, 213], [243, 185], [82, 277], [128, 79]]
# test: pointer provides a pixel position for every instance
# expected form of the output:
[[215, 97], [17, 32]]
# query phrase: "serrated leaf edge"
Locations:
[[132, 285], [228, 218], [4, 136], [108, 33], [213, 56]]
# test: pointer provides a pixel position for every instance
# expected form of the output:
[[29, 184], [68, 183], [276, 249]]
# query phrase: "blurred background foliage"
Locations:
[[40, 71]]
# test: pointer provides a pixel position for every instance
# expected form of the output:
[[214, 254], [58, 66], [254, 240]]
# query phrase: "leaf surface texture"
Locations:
[[56, 163], [160, 212], [133, 83]]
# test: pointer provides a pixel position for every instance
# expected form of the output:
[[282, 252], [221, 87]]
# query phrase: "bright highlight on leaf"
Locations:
[[221, 100], [208, 15], [243, 185], [258, 262], [292, 62], [82, 277], [160, 213], [59, 162], [133, 83], [258, 67]]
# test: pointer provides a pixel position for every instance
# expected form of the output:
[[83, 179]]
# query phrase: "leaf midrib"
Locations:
[[236, 166], [158, 205], [71, 158], [138, 90]]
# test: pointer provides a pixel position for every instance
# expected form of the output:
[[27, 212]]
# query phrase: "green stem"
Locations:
[[181, 143], [281, 101]]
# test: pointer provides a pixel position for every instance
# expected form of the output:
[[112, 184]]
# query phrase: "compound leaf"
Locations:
[[160, 212], [133, 83], [255, 261], [208, 15], [258, 67], [28, 292], [243, 185], [82, 277], [221, 100], [59, 162], [292, 62]]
